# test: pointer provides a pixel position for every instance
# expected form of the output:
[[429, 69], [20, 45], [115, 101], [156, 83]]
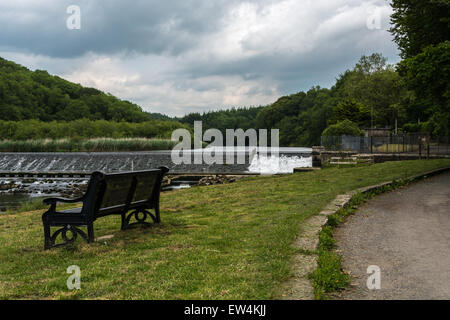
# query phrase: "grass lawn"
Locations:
[[232, 241]]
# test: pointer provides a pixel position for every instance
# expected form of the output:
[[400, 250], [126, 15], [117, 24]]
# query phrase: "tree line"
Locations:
[[86, 129], [412, 96], [371, 93]]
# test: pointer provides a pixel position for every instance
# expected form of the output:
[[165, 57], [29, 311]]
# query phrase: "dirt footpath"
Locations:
[[407, 234]]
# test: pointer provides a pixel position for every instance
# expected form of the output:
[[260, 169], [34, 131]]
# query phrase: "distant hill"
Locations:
[[243, 117], [371, 93], [26, 94], [159, 116]]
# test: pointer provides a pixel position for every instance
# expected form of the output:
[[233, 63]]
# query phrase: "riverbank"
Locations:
[[86, 145], [229, 241], [21, 193]]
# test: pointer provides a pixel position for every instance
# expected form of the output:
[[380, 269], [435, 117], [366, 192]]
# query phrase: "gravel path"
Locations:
[[407, 234]]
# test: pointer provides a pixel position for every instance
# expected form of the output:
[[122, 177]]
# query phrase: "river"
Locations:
[[15, 190]]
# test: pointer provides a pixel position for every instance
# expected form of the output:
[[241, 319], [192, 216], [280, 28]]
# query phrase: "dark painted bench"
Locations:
[[106, 194]]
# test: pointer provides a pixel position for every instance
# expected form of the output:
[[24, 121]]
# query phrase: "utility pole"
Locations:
[[371, 117]]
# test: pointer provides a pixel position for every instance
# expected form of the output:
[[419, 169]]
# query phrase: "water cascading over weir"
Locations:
[[80, 162]]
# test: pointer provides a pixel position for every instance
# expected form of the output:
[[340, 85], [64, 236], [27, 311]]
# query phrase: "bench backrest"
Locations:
[[119, 192]]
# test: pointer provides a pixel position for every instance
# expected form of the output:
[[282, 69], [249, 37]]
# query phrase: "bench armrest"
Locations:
[[164, 169], [65, 200]]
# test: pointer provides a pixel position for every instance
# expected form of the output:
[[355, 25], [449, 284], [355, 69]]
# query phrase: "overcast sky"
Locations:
[[181, 56]]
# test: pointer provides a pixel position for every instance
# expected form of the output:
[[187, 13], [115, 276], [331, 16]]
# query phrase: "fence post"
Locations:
[[428, 150], [387, 144], [420, 149], [317, 156], [371, 150], [403, 141]]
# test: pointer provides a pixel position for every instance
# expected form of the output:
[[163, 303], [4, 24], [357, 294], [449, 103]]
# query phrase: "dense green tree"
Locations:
[[428, 74], [85, 128], [377, 86], [421, 30], [417, 24], [345, 127], [353, 111]]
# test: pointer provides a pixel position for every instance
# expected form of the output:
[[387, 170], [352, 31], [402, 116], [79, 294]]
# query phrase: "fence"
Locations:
[[411, 143]]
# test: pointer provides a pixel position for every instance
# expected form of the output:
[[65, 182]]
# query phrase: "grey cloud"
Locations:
[[109, 27], [167, 44]]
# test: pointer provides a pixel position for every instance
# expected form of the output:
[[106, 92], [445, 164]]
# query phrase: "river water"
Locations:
[[259, 161]]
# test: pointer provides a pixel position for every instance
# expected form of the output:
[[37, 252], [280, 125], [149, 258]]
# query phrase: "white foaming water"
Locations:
[[281, 164]]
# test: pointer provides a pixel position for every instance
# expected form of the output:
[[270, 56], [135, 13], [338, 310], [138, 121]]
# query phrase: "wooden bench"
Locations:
[[106, 194]]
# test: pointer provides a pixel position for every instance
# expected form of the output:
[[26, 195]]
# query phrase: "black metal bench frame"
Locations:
[[141, 196]]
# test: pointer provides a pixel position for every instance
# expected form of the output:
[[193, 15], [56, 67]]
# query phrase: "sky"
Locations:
[[180, 56]]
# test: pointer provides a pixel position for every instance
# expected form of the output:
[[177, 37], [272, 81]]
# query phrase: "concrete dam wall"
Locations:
[[133, 161]]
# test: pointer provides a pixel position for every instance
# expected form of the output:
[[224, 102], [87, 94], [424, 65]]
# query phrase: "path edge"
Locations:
[[299, 287]]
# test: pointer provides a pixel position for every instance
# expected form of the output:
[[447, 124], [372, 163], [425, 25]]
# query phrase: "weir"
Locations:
[[108, 162]]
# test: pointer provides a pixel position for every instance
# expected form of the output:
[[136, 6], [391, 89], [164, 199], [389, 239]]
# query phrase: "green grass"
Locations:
[[329, 277], [33, 205], [231, 241], [86, 145]]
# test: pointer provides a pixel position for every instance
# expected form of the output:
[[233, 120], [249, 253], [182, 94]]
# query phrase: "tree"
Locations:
[[341, 128], [376, 85], [417, 24], [428, 74], [371, 64], [421, 30], [353, 111]]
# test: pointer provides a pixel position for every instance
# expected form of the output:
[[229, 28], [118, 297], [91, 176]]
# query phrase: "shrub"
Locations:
[[345, 127]]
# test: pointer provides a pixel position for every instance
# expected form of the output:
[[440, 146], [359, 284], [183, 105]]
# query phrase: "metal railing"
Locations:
[[421, 144]]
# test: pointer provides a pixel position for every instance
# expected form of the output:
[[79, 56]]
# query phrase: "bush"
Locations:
[[343, 128]]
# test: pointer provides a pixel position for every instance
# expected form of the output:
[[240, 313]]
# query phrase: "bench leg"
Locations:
[[51, 239], [90, 232], [140, 215], [157, 217], [47, 238], [123, 225]]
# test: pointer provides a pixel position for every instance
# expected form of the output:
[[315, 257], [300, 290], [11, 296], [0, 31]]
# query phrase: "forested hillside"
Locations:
[[25, 94], [36, 105]]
